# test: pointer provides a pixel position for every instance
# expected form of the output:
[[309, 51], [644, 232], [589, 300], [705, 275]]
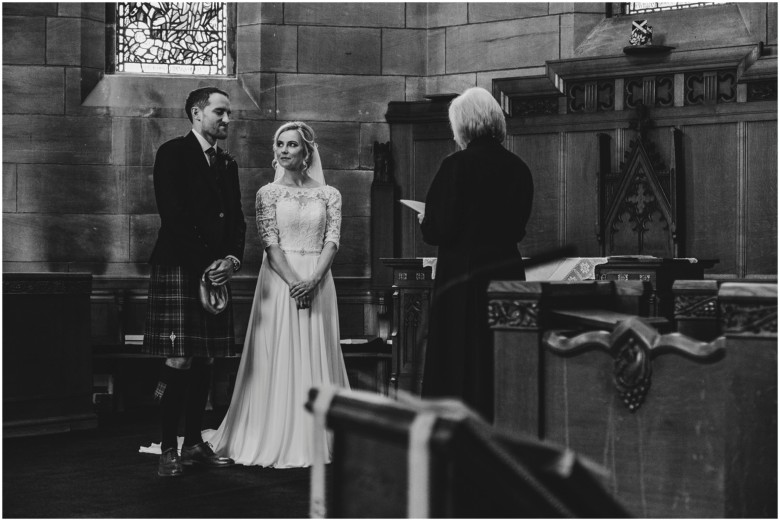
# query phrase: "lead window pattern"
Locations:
[[653, 7], [172, 38]]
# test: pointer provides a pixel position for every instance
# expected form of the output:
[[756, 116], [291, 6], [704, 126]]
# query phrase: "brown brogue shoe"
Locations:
[[169, 464], [203, 454]]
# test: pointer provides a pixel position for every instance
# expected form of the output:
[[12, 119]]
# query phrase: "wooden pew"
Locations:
[[417, 459], [687, 428], [47, 365]]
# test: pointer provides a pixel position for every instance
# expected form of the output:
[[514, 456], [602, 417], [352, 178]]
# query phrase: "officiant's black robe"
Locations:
[[476, 212]]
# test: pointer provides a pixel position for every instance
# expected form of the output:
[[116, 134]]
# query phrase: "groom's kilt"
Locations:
[[177, 324]]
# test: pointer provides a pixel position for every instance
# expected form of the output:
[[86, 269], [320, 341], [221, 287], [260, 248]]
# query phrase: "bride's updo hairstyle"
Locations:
[[475, 114], [307, 137]]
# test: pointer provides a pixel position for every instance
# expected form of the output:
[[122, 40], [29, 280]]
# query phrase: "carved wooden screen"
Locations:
[[639, 212]]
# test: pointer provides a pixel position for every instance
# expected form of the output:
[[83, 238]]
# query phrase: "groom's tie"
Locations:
[[212, 161]]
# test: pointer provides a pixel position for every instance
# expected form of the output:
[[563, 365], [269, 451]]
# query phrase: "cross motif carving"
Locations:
[[641, 198]]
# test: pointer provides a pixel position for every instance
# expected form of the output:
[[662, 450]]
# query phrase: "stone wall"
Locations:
[[78, 145]]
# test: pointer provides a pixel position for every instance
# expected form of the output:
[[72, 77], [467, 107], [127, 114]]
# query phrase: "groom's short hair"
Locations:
[[200, 98]]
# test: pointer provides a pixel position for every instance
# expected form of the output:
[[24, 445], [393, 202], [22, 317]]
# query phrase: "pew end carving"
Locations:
[[672, 416]]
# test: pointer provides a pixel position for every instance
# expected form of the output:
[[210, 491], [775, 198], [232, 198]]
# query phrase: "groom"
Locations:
[[201, 236]]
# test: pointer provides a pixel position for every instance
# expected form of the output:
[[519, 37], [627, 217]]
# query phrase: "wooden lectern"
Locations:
[[438, 459]]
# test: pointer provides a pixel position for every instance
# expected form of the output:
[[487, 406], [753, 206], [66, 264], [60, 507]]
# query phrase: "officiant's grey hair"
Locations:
[[475, 114]]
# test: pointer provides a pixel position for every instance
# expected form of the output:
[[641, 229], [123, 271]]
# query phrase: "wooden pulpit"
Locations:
[[418, 459]]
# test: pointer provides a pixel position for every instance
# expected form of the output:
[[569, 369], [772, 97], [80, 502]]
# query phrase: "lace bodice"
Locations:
[[299, 220]]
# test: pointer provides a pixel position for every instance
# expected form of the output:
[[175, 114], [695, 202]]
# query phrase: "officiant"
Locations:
[[476, 212]]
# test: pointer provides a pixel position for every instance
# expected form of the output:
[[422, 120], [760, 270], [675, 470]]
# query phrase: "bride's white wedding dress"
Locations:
[[287, 351]]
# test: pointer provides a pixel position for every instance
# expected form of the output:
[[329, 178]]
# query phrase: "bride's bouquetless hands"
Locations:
[[302, 288]]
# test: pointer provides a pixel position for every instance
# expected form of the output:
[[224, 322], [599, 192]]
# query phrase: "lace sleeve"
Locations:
[[265, 213], [333, 222]]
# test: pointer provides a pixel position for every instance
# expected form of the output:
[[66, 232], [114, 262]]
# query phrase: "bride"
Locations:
[[292, 343]]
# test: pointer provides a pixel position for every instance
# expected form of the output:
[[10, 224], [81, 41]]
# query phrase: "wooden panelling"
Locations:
[[491, 12], [761, 198], [352, 259], [65, 189], [540, 153], [63, 41], [33, 90], [404, 51], [336, 98], [358, 14], [24, 39], [65, 238], [339, 50], [9, 187], [578, 192], [428, 155], [369, 133], [48, 139], [502, 45], [711, 183]]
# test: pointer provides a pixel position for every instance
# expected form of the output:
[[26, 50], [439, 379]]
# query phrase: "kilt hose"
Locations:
[[176, 323]]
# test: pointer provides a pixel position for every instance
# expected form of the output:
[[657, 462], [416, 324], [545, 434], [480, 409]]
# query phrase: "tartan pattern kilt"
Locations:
[[176, 323]]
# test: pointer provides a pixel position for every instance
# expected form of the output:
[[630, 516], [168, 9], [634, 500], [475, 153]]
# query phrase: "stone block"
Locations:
[[29, 9], [370, 132], [79, 81], [136, 140], [65, 238], [415, 88], [573, 30], [312, 97], [261, 88], [93, 44], [577, 7], [33, 90], [248, 42], [24, 39], [404, 51], [278, 48], [339, 50], [339, 144], [352, 259], [496, 11], [502, 45], [355, 188], [771, 24], [143, 235], [139, 190], [358, 14], [450, 84], [89, 10], [251, 180], [63, 41], [70, 189], [436, 51], [436, 14], [9, 187], [250, 13], [51, 139], [251, 141]]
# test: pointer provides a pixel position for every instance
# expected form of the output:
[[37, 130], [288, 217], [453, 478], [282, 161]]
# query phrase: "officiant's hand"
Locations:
[[302, 288], [220, 271]]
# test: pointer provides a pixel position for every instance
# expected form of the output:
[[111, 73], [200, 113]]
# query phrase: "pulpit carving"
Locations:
[[695, 306], [633, 344], [513, 314], [757, 319]]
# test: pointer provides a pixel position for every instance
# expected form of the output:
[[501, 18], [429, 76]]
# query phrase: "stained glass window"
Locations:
[[171, 38], [650, 7]]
